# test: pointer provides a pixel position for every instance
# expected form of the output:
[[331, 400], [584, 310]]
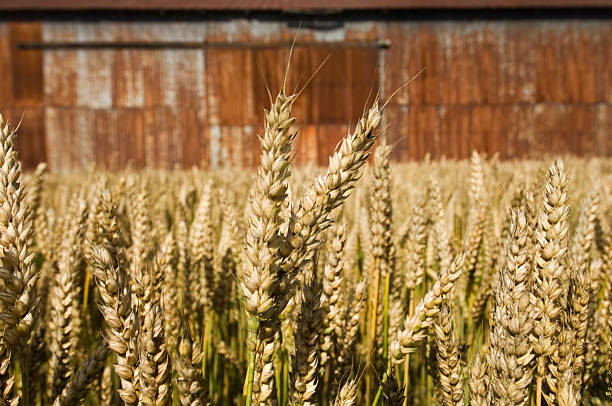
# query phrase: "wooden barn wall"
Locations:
[[516, 88]]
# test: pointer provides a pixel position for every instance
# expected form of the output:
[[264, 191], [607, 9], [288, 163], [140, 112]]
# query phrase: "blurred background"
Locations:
[[178, 83]]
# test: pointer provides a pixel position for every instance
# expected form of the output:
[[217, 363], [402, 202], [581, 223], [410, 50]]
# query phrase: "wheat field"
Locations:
[[433, 283]]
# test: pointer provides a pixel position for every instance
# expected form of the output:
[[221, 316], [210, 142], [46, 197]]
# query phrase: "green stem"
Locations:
[[406, 378], [206, 322], [86, 291], [372, 332], [378, 393], [380, 387], [285, 398], [253, 330], [25, 383], [278, 374], [214, 374], [250, 378], [386, 319]]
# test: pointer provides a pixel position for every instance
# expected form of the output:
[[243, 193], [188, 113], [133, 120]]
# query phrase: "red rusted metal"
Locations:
[[516, 88], [21, 87]]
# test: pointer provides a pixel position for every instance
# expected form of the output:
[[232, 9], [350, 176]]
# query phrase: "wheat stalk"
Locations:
[[305, 360], [202, 254], [76, 390], [331, 303], [154, 361], [509, 352], [260, 285], [415, 326], [579, 300], [549, 270], [19, 276], [347, 394], [7, 378], [447, 353], [110, 271], [191, 388], [64, 326]]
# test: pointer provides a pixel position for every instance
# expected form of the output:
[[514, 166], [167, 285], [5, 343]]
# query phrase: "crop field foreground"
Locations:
[[365, 283]]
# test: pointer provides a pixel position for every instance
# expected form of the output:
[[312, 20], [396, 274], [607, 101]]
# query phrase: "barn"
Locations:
[[178, 83]]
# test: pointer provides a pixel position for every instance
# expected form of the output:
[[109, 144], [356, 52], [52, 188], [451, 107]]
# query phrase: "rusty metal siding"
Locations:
[[510, 87], [21, 88]]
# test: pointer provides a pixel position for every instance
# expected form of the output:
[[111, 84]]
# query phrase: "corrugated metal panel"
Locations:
[[308, 145], [94, 69], [6, 65], [329, 135], [101, 132], [484, 75], [603, 128], [27, 65], [191, 136], [518, 88], [60, 66], [21, 87], [230, 86], [128, 78], [61, 127], [31, 142]]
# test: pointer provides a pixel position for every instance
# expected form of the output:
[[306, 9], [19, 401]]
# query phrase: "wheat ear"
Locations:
[[188, 366], [7, 378], [154, 361], [447, 353], [349, 331], [549, 270], [392, 392], [202, 253], [475, 226], [347, 395], [478, 380], [35, 192], [305, 360], [579, 306], [107, 391], [327, 192], [76, 390], [509, 352], [415, 326], [64, 324], [17, 272], [110, 271], [260, 285], [331, 296]]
